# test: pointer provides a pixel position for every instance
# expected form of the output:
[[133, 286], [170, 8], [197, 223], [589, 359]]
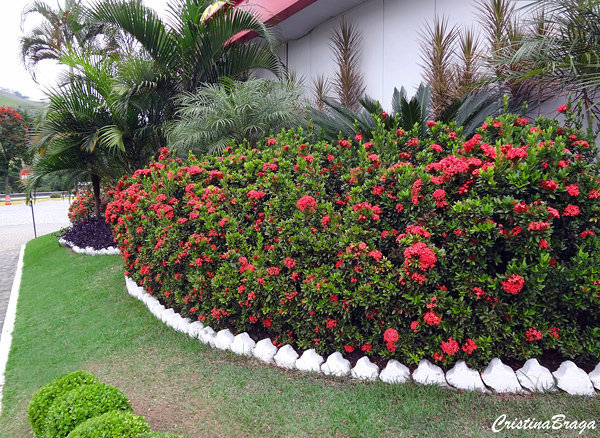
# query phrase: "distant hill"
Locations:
[[9, 99]]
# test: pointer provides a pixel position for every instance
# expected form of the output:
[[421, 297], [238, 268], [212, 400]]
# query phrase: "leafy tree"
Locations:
[[13, 142]]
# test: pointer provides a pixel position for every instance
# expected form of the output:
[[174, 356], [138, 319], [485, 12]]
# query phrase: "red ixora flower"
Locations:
[[513, 284], [469, 346], [307, 203], [390, 335], [533, 335], [450, 347], [571, 210], [573, 189], [432, 318], [562, 108]]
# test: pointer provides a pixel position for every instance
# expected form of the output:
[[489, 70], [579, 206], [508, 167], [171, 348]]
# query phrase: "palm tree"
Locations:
[[87, 128], [60, 28], [234, 111], [189, 49], [563, 51]]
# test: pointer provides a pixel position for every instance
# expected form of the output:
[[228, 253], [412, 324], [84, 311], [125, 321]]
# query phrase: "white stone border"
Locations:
[[497, 377], [9, 321], [88, 250]]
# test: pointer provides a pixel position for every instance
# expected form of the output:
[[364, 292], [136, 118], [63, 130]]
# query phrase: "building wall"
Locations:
[[391, 55], [391, 52]]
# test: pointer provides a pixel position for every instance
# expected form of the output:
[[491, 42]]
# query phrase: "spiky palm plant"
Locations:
[[348, 82], [234, 111], [437, 42]]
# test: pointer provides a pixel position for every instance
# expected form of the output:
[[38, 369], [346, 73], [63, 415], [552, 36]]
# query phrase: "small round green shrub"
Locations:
[[81, 404], [113, 424], [43, 399]]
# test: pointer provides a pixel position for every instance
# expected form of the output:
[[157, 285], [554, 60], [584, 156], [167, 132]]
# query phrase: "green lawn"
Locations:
[[74, 313]]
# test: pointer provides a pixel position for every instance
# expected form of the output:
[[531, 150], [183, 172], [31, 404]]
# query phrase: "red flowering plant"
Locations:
[[82, 207], [471, 249]]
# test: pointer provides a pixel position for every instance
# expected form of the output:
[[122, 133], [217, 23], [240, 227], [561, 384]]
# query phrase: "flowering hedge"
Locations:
[[82, 207], [439, 247]]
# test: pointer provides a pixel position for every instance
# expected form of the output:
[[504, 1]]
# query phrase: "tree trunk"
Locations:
[[96, 189], [6, 184]]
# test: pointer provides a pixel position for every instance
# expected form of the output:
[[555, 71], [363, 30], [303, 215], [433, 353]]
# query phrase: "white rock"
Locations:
[[173, 320], [463, 377], [195, 328], [223, 339], [310, 361], [395, 372], [166, 314], [206, 335], [535, 377], [139, 293], [336, 365], [130, 284], [184, 325], [265, 350], [286, 357], [365, 369], [429, 374], [243, 344], [574, 380], [595, 377], [149, 300], [157, 310], [501, 377]]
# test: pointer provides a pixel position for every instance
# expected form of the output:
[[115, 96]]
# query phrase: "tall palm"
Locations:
[[62, 27], [188, 49], [86, 127]]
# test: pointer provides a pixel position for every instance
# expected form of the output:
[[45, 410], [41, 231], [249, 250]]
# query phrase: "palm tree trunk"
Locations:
[[96, 189]]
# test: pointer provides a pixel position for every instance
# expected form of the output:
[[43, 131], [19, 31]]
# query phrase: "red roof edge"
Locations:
[[275, 11]]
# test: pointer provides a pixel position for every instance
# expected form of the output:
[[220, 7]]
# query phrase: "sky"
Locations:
[[13, 74]]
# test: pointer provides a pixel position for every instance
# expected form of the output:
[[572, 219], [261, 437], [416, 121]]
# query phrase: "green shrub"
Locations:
[[439, 247], [113, 424], [81, 404], [43, 399], [55, 196]]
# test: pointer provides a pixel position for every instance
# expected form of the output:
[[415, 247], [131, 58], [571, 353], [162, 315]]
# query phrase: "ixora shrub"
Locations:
[[113, 424], [43, 399], [439, 247], [82, 208], [81, 404]]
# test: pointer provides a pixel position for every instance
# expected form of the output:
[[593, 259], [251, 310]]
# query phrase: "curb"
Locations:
[[9, 321], [496, 378]]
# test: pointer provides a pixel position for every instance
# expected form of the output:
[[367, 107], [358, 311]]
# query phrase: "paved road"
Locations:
[[16, 228]]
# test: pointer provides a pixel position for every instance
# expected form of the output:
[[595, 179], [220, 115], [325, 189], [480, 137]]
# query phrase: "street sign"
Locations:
[[24, 176]]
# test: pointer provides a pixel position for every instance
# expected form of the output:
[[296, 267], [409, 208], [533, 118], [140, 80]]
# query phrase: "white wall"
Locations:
[[391, 51]]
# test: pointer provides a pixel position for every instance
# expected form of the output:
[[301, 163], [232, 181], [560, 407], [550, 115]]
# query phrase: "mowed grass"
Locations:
[[74, 313]]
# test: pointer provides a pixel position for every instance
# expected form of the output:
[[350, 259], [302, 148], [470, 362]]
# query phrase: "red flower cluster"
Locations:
[[513, 284], [307, 203]]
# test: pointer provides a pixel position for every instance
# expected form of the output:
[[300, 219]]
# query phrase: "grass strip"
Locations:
[[74, 313]]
